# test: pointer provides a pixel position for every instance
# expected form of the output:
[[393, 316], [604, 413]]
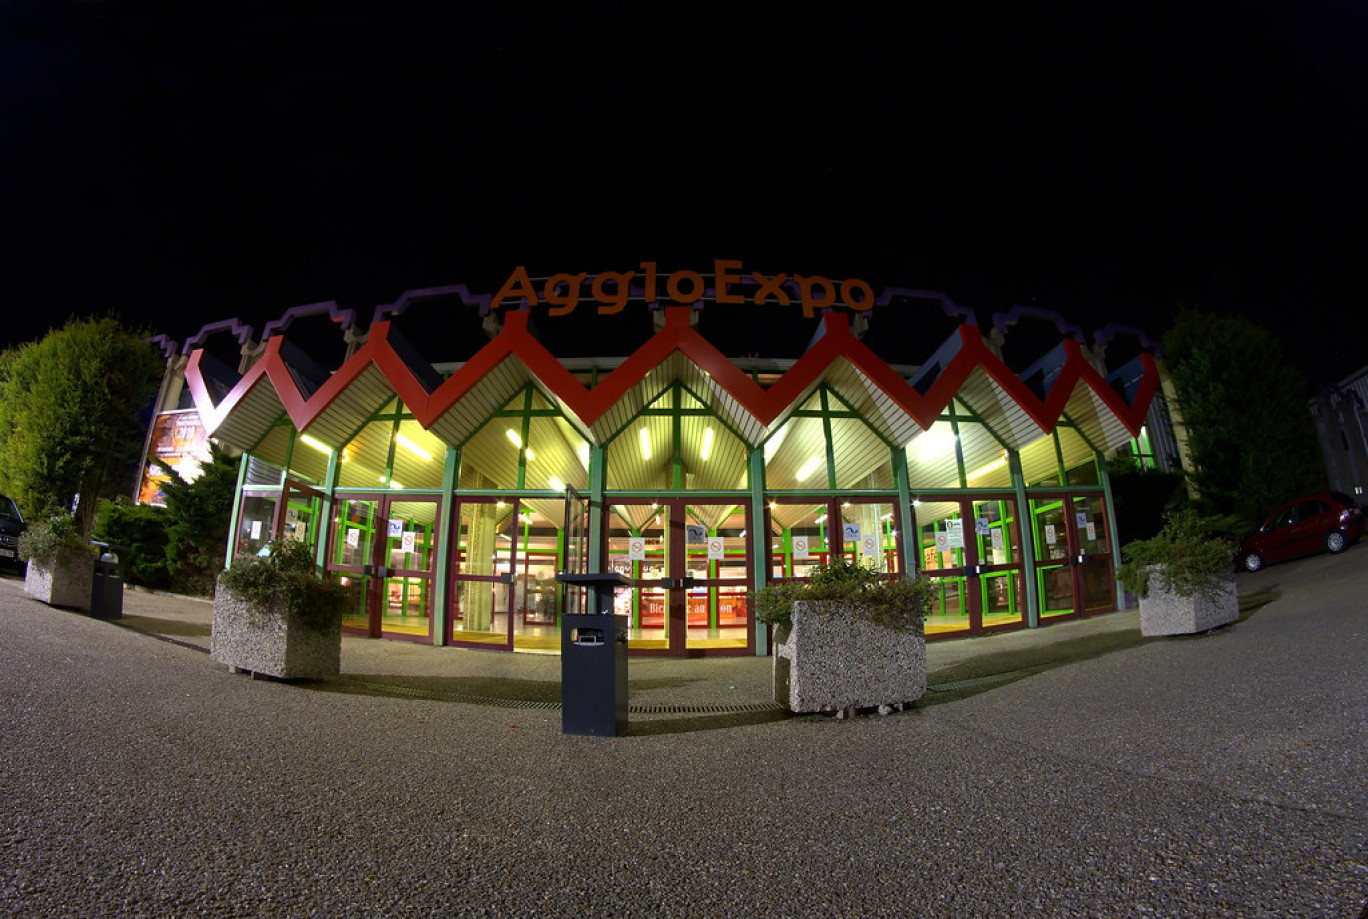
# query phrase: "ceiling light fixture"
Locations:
[[315, 443], [808, 468], [984, 470], [645, 444], [707, 444], [412, 447], [935, 443]]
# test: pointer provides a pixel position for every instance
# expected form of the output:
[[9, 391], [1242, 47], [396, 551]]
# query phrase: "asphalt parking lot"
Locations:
[[1079, 770]]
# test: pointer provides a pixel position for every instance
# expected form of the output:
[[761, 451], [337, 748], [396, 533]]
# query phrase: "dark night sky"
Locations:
[[212, 160]]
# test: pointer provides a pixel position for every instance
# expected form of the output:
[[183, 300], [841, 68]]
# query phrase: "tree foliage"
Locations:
[[1142, 496], [182, 545], [72, 416], [139, 530], [1250, 432], [198, 515]]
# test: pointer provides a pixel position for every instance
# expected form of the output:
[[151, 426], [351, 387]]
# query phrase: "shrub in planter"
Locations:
[[277, 614], [1184, 576], [848, 639], [61, 563]]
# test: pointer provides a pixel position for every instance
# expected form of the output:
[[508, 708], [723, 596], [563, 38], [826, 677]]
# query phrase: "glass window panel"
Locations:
[[309, 459], [1004, 598], [557, 455], [256, 523], [1090, 518], [940, 534], [270, 453], [985, 460], [713, 458], [640, 457], [996, 532], [638, 547], [489, 459], [1079, 459], [869, 535], [797, 539], [1051, 535], [948, 610], [419, 457], [481, 598], [863, 459], [1056, 590], [302, 512], [355, 533], [1039, 462], [931, 458], [1099, 584], [260, 472], [795, 457], [363, 462]]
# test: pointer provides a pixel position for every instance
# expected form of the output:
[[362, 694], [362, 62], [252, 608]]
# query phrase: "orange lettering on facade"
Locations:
[[611, 290]]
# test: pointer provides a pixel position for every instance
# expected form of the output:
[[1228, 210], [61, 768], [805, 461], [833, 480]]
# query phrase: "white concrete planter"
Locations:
[[273, 644], [1167, 613], [829, 659], [66, 580]]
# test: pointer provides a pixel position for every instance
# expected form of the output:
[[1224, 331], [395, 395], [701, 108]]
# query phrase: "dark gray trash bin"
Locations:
[[594, 661], [106, 592]]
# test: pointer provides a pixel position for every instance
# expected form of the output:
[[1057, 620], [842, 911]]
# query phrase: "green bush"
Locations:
[[895, 603], [44, 539], [197, 517], [287, 575], [1189, 555], [139, 532]]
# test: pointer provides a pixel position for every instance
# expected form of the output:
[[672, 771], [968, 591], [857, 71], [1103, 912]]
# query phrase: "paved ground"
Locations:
[[1078, 770]]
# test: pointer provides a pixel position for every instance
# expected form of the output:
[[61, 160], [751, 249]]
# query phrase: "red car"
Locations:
[[1330, 520]]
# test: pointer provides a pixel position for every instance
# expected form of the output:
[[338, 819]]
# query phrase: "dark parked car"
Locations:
[[11, 525], [1328, 521]]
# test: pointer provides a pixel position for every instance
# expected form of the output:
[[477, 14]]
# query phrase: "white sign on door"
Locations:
[[396, 529], [636, 549], [717, 547], [955, 531], [851, 531], [408, 541], [869, 545], [1050, 537], [353, 537], [800, 547]]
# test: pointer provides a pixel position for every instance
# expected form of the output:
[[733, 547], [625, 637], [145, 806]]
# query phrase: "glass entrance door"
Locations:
[[1074, 564], [504, 592], [385, 546], [971, 548], [690, 570]]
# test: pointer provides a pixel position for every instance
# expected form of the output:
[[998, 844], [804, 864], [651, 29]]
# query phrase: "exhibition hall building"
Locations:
[[700, 432]]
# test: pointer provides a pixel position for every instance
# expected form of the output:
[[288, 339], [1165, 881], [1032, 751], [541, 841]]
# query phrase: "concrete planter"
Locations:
[[272, 644], [65, 580], [828, 658], [1167, 613]]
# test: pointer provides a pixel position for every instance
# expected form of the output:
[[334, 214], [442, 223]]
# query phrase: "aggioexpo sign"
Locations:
[[611, 290]]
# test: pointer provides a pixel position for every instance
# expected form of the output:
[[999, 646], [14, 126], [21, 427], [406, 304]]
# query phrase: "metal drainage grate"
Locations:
[[414, 692], [705, 709], [974, 682]]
